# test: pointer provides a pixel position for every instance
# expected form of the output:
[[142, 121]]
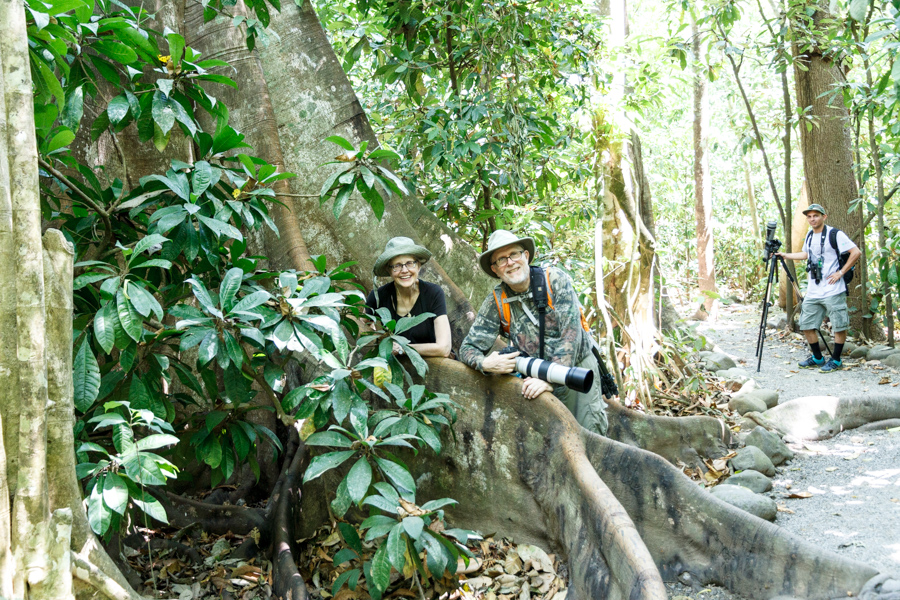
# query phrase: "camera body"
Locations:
[[575, 378], [772, 245]]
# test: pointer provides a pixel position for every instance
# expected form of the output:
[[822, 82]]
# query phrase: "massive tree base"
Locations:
[[625, 518]]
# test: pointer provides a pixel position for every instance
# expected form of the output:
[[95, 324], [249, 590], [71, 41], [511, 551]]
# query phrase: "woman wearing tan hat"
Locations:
[[408, 296]]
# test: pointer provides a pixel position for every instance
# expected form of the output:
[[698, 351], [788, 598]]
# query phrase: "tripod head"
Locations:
[[772, 245]]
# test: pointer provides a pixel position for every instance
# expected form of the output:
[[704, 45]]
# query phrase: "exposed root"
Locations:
[[85, 571], [822, 417], [288, 584], [217, 519], [677, 439]]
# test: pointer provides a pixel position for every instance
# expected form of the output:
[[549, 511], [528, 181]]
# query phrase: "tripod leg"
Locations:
[[765, 314]]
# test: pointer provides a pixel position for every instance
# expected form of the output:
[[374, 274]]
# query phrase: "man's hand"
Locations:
[[397, 349], [834, 277], [533, 387], [499, 363]]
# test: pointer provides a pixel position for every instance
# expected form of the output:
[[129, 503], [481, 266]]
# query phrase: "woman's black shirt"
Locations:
[[430, 300]]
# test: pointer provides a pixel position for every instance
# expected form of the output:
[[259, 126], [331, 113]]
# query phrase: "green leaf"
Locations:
[[51, 81], [202, 177], [129, 318], [118, 108], [156, 440], [176, 47], [345, 578], [221, 228], [358, 479], [326, 462], [342, 501], [86, 375], [398, 475], [231, 283], [152, 507], [99, 516], [74, 109], [413, 526], [251, 301], [62, 139], [381, 569], [143, 301], [437, 556], [143, 469], [146, 242], [332, 439], [377, 526], [344, 556], [431, 437], [858, 10], [104, 328], [115, 493], [117, 51], [396, 548], [336, 139], [163, 112]]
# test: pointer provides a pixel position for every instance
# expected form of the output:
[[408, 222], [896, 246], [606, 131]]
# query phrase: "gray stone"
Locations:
[[892, 361], [752, 480], [849, 347], [859, 352], [771, 444], [881, 353], [717, 361], [751, 457], [746, 500], [769, 397], [747, 403]]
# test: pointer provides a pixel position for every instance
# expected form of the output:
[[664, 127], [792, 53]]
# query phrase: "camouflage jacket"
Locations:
[[565, 341]]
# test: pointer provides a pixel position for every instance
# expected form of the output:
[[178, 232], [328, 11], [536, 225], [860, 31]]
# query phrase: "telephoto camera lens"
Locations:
[[574, 378], [770, 230]]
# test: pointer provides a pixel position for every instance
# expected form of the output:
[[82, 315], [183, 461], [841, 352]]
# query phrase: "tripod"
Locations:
[[771, 248]]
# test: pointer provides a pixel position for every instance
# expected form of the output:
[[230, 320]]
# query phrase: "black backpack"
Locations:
[[843, 257]]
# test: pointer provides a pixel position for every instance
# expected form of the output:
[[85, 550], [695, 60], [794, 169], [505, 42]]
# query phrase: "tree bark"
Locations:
[[827, 147]]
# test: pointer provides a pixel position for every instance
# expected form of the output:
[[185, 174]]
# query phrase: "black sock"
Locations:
[[817, 352], [836, 354]]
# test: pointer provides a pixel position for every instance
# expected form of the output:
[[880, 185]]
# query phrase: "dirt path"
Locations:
[[854, 478]]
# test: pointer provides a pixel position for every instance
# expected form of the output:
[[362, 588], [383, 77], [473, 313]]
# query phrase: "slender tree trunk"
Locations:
[[706, 266], [828, 153]]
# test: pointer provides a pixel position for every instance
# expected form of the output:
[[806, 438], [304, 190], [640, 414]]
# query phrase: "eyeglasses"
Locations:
[[503, 260], [409, 266]]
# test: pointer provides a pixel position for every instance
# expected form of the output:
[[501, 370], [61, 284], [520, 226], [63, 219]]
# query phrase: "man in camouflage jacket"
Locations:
[[565, 341]]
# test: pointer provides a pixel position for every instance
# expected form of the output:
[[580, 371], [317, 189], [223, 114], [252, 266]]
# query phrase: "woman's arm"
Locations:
[[441, 346]]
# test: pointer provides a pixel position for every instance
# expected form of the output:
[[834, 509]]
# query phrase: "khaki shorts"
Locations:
[[814, 310]]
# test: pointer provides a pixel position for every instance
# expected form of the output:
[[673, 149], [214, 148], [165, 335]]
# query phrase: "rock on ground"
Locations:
[[751, 457], [771, 444], [752, 480], [743, 498]]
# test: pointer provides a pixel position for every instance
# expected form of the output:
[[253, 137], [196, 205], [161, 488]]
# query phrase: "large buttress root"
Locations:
[[624, 518], [822, 417]]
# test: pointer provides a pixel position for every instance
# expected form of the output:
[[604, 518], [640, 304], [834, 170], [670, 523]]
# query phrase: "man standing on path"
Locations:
[[512, 312], [826, 292]]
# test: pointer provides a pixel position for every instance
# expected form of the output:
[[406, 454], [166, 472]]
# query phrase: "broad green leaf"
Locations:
[[117, 51], [396, 548], [347, 577], [86, 376], [99, 516], [251, 301], [231, 283], [117, 109], [329, 438], [342, 501], [146, 242], [398, 475], [143, 301], [858, 9], [336, 139], [344, 556], [163, 112], [129, 318], [431, 437], [358, 479], [413, 526], [221, 227], [156, 440], [377, 526], [152, 507], [115, 493], [326, 462], [202, 177], [143, 469], [407, 323], [60, 140], [381, 569]]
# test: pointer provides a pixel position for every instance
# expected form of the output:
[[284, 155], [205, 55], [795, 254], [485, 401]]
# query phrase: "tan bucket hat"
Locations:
[[500, 239], [399, 246]]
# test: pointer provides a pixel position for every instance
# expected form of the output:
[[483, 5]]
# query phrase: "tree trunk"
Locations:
[[827, 147], [706, 265]]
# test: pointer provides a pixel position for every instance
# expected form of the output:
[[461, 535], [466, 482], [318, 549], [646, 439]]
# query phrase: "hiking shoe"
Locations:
[[831, 366], [811, 362]]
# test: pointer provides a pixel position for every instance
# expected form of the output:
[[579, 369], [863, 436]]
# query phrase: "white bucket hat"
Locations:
[[500, 239], [399, 246]]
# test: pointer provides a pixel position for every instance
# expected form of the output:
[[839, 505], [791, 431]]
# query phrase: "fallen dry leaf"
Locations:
[[884, 381], [800, 495], [784, 509], [830, 469]]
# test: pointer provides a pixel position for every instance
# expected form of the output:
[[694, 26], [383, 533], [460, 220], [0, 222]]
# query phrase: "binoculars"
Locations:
[[575, 378]]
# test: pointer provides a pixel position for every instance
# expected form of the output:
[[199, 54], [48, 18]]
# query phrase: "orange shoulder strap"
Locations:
[[502, 310]]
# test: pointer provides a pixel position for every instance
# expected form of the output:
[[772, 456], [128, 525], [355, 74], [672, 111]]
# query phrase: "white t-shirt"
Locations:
[[816, 248]]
